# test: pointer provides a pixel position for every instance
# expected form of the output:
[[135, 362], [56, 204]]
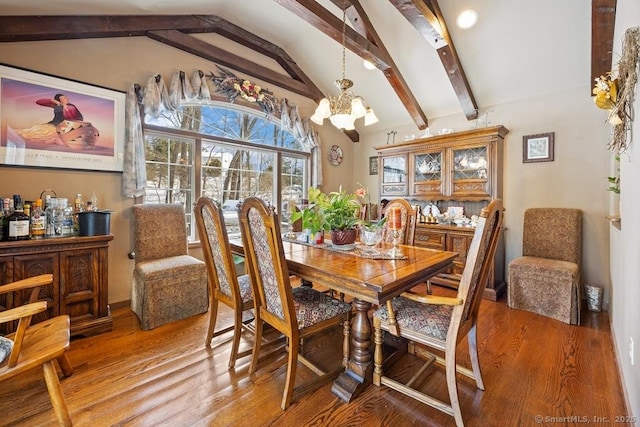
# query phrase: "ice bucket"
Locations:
[[94, 223]]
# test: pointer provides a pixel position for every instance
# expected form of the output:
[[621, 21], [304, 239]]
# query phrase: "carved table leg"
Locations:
[[350, 383]]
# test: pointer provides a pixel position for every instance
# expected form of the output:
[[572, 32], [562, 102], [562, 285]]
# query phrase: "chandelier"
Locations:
[[343, 110]]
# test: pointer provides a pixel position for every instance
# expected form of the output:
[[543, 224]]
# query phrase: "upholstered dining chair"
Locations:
[[546, 278], [297, 312], [168, 283], [41, 344], [441, 323], [225, 285], [409, 220]]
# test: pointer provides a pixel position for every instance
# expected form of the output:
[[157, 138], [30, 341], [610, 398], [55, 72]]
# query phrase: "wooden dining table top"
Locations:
[[371, 280]]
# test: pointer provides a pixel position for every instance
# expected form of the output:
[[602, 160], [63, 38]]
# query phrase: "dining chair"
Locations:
[[297, 312], [409, 220], [546, 279], [41, 344], [225, 285], [168, 283], [441, 323]]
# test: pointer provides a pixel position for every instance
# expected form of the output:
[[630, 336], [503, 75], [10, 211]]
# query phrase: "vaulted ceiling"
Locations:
[[425, 65]]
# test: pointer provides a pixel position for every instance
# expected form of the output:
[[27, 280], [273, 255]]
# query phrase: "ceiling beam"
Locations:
[[361, 22], [603, 19], [171, 30], [187, 43], [426, 17]]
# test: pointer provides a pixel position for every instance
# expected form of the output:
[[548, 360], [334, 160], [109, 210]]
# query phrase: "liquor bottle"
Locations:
[[94, 202], [38, 221], [18, 222], [78, 207], [3, 220]]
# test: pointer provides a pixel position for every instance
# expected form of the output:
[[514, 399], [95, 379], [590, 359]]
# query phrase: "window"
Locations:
[[224, 152]]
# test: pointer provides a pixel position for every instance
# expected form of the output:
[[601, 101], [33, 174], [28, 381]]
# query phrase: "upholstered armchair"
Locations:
[[168, 283], [546, 279]]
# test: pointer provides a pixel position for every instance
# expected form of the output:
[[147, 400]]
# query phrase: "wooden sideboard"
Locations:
[[80, 279], [461, 169]]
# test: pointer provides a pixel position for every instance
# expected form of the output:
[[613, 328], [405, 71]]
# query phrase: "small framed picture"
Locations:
[[537, 148], [373, 165]]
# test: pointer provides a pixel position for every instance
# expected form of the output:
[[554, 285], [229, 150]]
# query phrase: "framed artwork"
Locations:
[[50, 122], [538, 148], [373, 165]]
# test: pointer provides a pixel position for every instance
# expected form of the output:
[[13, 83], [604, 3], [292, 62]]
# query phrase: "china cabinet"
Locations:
[[461, 169], [80, 279]]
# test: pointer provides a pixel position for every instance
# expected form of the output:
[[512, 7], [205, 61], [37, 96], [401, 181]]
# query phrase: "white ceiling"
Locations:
[[518, 49]]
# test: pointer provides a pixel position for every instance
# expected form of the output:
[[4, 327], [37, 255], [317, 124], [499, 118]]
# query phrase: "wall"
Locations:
[[625, 251], [576, 178], [116, 64]]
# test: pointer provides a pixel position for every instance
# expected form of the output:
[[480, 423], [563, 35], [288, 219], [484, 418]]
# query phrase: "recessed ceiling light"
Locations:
[[467, 19], [368, 65]]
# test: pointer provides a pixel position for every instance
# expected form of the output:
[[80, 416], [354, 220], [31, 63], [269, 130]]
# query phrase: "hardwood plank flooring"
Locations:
[[532, 366]]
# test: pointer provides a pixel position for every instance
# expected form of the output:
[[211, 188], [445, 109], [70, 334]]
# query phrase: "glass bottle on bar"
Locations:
[[18, 222], [38, 224]]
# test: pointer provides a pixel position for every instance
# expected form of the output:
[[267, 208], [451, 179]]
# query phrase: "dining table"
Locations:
[[369, 278]]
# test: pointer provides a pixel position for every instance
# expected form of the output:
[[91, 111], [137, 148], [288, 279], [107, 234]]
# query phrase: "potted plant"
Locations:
[[312, 217], [340, 209]]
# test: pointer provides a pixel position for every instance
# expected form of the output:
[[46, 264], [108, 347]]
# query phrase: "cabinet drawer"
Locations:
[[431, 240]]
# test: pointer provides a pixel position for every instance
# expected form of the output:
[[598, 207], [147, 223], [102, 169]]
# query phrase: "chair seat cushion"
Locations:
[[314, 307], [551, 268], [181, 265], [427, 319], [6, 345], [245, 288]]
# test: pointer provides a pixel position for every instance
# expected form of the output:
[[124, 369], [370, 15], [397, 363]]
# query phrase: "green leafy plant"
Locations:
[[311, 215], [340, 208], [614, 181]]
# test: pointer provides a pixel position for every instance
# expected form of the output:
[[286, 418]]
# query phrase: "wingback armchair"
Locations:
[[546, 279]]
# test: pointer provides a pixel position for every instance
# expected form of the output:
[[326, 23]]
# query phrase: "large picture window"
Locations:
[[223, 153]]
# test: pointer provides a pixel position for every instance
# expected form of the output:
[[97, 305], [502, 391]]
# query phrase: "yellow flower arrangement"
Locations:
[[606, 96]]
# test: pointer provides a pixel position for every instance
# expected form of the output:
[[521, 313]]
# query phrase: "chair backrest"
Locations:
[[264, 256], [216, 250], [478, 264], [160, 231], [408, 224], [554, 233]]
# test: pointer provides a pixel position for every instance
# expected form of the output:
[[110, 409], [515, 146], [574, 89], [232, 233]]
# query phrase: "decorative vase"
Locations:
[[371, 236], [343, 237]]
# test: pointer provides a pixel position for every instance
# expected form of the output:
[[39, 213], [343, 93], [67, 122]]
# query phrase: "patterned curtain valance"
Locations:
[[155, 98]]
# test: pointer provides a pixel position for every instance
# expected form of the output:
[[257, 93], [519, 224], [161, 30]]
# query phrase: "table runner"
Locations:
[[357, 249]]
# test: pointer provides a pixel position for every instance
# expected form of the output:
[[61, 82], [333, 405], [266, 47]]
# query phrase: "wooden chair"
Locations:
[[295, 312], [225, 285], [440, 323], [40, 344], [168, 283], [546, 279], [409, 222]]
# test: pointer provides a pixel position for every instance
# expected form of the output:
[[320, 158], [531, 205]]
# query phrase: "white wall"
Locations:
[[625, 250]]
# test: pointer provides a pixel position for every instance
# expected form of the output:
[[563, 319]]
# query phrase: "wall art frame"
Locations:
[[538, 147], [373, 165], [52, 122]]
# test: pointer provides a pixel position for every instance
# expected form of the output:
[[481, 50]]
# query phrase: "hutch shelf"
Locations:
[[80, 279], [461, 169]]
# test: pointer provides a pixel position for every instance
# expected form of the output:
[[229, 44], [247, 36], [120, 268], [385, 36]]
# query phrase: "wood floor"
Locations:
[[532, 366]]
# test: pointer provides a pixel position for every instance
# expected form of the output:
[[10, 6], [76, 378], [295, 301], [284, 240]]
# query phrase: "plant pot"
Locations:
[[343, 237]]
